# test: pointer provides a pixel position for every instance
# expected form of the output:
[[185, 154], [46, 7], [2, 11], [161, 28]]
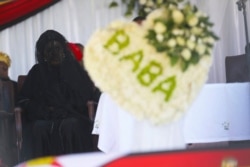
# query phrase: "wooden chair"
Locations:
[[18, 118]]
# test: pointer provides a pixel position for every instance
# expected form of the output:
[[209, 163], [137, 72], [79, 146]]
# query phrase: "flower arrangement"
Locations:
[[184, 34], [144, 7], [154, 70]]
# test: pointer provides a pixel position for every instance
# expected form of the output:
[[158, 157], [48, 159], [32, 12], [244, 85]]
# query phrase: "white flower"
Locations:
[[150, 3], [186, 54], [190, 44], [200, 14], [171, 43], [209, 40], [159, 1], [192, 38], [114, 48], [160, 27], [180, 41], [200, 49], [159, 37], [147, 9], [192, 20], [178, 16], [142, 2], [177, 31], [196, 30]]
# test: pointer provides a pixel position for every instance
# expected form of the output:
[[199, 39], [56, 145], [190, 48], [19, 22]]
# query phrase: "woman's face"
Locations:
[[53, 53], [3, 70]]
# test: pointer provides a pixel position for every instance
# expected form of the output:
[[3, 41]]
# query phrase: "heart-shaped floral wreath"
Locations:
[[154, 70]]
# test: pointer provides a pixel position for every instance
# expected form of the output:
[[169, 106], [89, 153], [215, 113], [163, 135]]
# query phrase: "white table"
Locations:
[[221, 112]]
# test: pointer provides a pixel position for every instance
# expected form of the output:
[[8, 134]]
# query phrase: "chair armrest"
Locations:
[[91, 109], [18, 120], [5, 115]]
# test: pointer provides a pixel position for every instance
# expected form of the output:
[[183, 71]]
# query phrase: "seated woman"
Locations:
[[54, 97], [8, 95]]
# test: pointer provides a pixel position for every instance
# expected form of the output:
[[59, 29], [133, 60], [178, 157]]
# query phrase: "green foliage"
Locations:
[[196, 36]]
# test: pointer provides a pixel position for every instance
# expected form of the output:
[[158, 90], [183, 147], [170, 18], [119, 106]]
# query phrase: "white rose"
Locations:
[[147, 9], [186, 54], [200, 49], [200, 14], [159, 1], [209, 50], [177, 31], [192, 38], [192, 20], [160, 28], [209, 40], [150, 3], [159, 37], [171, 43], [190, 44], [180, 41], [142, 2], [178, 17], [196, 30], [202, 25]]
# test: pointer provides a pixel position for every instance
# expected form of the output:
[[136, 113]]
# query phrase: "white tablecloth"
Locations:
[[221, 112]]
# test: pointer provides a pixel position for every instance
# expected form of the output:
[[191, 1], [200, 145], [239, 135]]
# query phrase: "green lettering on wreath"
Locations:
[[149, 73], [167, 87], [135, 57], [117, 42]]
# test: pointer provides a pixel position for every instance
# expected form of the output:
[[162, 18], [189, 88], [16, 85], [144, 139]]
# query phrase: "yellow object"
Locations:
[[5, 58], [42, 162]]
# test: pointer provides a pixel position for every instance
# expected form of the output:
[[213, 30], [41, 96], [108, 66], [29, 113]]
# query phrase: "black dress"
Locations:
[[54, 100]]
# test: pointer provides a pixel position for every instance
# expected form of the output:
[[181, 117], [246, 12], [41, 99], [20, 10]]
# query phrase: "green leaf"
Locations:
[[195, 58], [113, 4], [174, 60], [161, 48], [184, 65]]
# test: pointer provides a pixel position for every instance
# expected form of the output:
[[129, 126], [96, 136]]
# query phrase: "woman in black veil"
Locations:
[[54, 97]]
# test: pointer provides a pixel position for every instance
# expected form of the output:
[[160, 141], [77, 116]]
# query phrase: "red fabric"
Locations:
[[17, 9], [195, 158], [76, 51]]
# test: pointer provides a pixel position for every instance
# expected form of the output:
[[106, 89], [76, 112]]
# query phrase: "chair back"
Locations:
[[236, 69]]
